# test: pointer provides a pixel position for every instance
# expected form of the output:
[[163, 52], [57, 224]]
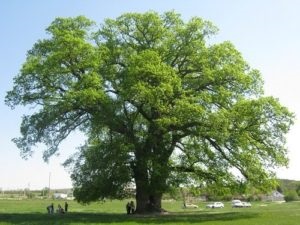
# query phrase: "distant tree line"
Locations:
[[31, 194], [289, 188]]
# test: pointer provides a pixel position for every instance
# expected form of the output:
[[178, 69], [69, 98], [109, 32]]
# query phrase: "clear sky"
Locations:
[[266, 32]]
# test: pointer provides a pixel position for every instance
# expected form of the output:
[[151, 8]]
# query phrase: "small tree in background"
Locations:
[[45, 192], [298, 189], [291, 195]]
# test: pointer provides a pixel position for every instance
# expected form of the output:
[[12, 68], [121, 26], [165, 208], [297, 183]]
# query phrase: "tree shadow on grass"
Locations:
[[102, 218]]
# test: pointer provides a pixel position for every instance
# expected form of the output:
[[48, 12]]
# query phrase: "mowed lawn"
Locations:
[[33, 212]]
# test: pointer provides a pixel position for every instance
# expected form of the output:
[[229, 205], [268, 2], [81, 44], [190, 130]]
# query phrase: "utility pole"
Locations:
[[49, 184]]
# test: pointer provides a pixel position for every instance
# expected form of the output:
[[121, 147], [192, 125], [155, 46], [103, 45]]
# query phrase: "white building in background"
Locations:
[[275, 196], [60, 196]]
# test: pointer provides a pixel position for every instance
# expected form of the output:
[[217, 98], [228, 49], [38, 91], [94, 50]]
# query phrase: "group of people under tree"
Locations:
[[130, 207], [50, 208]]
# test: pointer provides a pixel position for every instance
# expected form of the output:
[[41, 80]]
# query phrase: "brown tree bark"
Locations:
[[148, 203]]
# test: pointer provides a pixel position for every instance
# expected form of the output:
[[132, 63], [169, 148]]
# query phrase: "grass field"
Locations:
[[33, 212]]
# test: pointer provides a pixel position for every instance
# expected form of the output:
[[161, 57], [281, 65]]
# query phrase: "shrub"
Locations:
[[291, 196]]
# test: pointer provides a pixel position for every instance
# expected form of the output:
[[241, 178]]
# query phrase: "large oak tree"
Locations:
[[159, 103]]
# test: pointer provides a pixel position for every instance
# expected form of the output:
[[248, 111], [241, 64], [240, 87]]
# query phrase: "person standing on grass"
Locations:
[[132, 207], [66, 207], [128, 208], [50, 208]]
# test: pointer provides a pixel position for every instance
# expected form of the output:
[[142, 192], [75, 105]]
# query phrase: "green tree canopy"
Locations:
[[158, 104]]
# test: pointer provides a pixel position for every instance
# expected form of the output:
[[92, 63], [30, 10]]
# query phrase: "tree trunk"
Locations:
[[141, 200], [147, 202], [150, 182], [147, 199]]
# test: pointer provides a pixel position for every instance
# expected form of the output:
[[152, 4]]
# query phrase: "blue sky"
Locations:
[[266, 33]]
